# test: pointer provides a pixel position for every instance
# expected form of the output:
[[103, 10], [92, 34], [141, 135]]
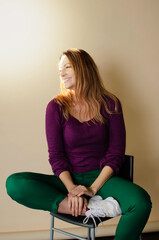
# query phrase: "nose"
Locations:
[[62, 72]]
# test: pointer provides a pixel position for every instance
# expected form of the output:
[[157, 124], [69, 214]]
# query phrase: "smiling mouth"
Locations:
[[66, 80]]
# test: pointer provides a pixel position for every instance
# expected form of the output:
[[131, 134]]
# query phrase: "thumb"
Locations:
[[85, 203]]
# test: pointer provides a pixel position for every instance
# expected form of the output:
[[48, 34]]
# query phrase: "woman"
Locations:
[[86, 142]]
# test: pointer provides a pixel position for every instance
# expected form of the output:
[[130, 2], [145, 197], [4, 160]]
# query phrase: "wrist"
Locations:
[[94, 189], [67, 180], [69, 188]]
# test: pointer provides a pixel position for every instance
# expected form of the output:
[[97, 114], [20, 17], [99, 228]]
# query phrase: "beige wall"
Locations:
[[122, 36]]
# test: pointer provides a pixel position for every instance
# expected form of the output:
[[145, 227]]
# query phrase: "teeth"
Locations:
[[65, 80]]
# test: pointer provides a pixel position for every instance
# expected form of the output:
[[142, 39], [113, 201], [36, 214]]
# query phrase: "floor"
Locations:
[[145, 236]]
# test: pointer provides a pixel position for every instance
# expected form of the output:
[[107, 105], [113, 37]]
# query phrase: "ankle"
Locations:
[[62, 208]]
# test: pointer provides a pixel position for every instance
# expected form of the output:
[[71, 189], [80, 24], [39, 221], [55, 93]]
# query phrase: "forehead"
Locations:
[[63, 61]]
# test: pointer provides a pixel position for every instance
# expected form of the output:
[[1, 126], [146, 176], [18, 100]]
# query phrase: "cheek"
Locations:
[[71, 72], [73, 77]]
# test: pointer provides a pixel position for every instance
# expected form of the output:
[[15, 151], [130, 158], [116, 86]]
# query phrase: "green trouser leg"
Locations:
[[135, 204], [35, 190]]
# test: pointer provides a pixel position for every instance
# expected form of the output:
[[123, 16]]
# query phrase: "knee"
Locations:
[[11, 184], [142, 201], [14, 185]]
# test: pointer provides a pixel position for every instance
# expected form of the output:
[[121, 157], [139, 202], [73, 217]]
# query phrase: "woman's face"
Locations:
[[66, 73]]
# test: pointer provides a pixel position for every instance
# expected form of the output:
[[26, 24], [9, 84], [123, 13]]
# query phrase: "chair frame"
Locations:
[[126, 172]]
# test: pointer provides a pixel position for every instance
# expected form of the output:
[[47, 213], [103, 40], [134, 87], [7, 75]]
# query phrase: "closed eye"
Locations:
[[65, 67]]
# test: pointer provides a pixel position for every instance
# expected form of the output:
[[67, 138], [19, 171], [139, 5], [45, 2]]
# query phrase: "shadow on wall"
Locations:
[[138, 139]]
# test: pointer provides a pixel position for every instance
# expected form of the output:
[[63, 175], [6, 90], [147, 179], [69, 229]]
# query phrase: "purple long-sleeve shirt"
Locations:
[[79, 147]]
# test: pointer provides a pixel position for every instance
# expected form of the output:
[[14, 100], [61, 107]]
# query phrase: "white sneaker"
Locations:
[[102, 208], [94, 201]]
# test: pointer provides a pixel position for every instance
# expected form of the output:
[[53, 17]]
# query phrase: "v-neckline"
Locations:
[[79, 120]]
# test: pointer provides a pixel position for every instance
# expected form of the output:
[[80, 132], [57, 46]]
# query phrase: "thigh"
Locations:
[[51, 180], [29, 177], [125, 192], [36, 190]]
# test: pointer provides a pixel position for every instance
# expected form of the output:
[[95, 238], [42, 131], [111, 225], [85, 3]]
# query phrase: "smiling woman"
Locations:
[[85, 155]]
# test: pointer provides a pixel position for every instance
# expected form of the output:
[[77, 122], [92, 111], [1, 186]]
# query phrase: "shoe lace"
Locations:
[[90, 214]]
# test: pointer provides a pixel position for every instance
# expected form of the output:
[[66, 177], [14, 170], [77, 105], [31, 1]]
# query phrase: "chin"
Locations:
[[69, 87]]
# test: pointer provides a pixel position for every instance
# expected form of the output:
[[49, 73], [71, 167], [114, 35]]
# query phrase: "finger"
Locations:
[[69, 203], [77, 207], [71, 193], [81, 193], [78, 192], [84, 193], [83, 190], [81, 204], [85, 204], [76, 189], [73, 206]]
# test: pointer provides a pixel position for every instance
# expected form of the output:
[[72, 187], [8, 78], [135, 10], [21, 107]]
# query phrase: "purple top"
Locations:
[[79, 147]]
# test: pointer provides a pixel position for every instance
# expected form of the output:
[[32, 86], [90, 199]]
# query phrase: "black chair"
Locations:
[[126, 172]]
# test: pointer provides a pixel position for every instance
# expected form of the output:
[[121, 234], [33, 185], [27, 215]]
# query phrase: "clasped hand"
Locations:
[[76, 200]]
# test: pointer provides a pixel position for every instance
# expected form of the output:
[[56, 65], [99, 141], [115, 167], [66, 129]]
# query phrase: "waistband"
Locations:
[[88, 174]]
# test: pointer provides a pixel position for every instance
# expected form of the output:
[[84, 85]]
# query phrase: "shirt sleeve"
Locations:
[[54, 136], [115, 154]]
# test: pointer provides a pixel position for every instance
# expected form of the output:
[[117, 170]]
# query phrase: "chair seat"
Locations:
[[79, 220]]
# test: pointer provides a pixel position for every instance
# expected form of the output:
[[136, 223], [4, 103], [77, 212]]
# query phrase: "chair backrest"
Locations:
[[126, 171]]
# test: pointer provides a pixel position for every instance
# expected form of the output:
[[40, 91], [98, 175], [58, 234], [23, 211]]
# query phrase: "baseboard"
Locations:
[[44, 235]]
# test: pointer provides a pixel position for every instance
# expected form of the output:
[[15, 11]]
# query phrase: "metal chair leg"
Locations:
[[92, 233], [51, 228], [89, 233], [140, 237]]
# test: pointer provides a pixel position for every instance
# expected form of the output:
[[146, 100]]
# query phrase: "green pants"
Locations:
[[45, 192]]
